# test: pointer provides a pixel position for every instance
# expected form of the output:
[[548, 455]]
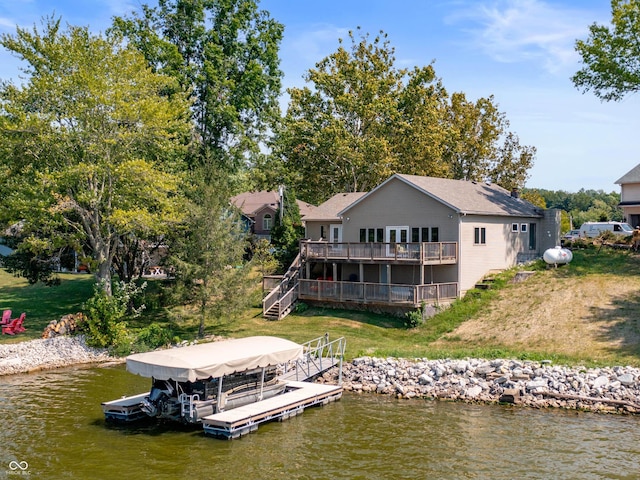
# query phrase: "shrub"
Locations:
[[104, 325], [301, 307], [415, 317], [153, 336]]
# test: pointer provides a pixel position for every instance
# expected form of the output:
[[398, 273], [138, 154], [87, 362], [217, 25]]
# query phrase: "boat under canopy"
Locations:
[[215, 359]]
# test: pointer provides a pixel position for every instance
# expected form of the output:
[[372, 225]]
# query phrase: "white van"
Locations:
[[593, 229]]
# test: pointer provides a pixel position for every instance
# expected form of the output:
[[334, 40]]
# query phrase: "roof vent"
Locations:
[[515, 193]]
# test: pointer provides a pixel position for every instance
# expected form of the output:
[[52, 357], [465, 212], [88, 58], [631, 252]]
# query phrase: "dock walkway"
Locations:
[[304, 372], [246, 419]]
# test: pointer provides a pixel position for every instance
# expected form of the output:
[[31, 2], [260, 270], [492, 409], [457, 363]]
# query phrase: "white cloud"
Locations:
[[124, 7], [315, 44], [535, 31]]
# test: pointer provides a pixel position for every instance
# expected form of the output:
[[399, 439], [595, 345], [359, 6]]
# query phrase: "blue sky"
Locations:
[[520, 51]]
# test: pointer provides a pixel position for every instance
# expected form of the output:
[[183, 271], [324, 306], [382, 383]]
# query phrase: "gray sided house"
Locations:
[[415, 240], [630, 196]]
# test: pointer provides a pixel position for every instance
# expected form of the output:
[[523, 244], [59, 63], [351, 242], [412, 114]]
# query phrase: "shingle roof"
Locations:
[[250, 202], [632, 176], [329, 209], [476, 198]]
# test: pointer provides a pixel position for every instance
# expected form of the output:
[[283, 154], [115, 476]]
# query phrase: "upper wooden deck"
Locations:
[[421, 253]]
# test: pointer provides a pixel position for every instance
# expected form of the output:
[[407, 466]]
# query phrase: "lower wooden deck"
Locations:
[[246, 419]]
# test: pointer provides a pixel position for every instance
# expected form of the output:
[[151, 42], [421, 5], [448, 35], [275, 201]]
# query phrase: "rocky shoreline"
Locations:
[[48, 353], [527, 383], [532, 384]]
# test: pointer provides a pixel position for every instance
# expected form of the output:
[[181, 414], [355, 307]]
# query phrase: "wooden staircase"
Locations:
[[282, 299]]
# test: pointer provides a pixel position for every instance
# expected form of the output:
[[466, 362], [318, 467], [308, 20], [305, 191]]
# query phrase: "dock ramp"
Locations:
[[319, 356]]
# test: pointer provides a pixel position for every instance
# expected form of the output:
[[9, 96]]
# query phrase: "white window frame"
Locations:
[[523, 228], [481, 234], [267, 222], [514, 228]]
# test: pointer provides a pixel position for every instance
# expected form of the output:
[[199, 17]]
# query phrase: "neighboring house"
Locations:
[[417, 239], [630, 196], [260, 209]]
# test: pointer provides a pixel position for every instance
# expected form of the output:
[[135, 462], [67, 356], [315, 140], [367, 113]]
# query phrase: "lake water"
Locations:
[[52, 427]]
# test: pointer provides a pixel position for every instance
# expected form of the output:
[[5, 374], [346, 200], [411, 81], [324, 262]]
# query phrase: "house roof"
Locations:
[[329, 210], [465, 197], [251, 202], [632, 176]]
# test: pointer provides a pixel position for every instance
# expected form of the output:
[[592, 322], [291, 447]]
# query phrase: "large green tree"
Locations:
[[91, 144], [362, 119], [225, 52], [207, 253], [611, 54]]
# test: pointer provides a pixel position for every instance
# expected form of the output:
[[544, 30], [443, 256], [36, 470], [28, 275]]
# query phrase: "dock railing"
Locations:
[[320, 354]]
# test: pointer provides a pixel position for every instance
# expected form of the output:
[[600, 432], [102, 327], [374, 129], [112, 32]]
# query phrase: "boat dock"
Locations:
[[126, 409], [246, 419], [185, 382]]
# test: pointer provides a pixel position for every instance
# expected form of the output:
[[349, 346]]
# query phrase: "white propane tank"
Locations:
[[557, 256]]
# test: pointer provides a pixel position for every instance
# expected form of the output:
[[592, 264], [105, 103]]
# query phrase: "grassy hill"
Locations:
[[587, 312]]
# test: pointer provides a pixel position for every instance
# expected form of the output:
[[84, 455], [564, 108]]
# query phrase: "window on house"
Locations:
[[479, 236], [532, 236], [428, 234], [267, 222], [371, 235], [514, 227], [523, 228], [415, 234]]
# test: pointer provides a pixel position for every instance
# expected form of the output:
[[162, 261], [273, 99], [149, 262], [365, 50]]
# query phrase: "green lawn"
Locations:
[[41, 303], [366, 333]]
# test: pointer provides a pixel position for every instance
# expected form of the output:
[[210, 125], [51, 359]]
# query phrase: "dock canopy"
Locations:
[[215, 359]]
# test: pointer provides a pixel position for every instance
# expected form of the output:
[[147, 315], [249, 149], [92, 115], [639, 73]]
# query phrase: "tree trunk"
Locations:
[[103, 277]]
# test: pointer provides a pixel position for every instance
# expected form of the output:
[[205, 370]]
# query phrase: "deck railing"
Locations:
[[423, 252], [380, 293]]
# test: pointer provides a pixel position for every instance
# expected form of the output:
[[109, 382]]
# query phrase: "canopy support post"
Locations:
[[261, 384], [219, 399]]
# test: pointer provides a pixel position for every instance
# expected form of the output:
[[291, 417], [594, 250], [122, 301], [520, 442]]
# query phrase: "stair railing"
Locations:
[[286, 293]]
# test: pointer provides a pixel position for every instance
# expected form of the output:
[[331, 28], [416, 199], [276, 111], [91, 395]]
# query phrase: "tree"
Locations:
[[287, 230], [91, 144], [611, 55], [207, 252], [226, 53], [364, 119], [335, 137]]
